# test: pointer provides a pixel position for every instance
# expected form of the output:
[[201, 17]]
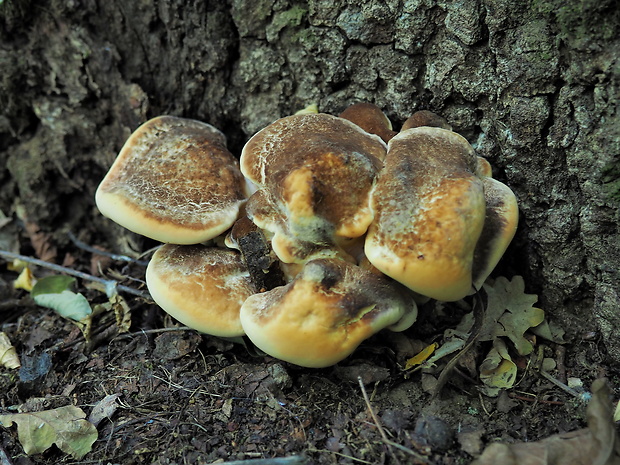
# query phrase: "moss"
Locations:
[[292, 17], [581, 21], [611, 180]]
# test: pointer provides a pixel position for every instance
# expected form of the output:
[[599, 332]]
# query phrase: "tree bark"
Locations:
[[534, 87]]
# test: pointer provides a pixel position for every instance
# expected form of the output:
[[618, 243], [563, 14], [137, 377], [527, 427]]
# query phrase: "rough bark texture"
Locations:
[[533, 86]]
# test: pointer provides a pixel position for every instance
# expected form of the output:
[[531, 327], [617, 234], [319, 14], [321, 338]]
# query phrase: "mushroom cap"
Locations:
[[429, 212], [173, 181], [314, 173], [425, 118], [202, 287], [324, 313], [370, 118], [484, 167], [500, 226]]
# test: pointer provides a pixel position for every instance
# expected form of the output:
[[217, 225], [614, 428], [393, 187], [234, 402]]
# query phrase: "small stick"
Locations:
[[372, 413], [94, 250], [151, 331], [582, 396], [292, 460], [560, 356], [382, 431], [109, 284]]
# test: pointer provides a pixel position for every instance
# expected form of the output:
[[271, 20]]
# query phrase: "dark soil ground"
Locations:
[[186, 398]]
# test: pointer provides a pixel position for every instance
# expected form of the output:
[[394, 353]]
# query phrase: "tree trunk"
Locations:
[[534, 87]]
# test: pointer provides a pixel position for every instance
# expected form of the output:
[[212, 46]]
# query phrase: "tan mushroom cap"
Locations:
[[500, 226], [173, 181], [429, 213], [370, 118], [202, 287], [314, 173], [323, 315]]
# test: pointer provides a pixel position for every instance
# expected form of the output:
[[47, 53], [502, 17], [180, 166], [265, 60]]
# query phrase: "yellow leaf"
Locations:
[[498, 370], [421, 357], [17, 265], [25, 280], [8, 355]]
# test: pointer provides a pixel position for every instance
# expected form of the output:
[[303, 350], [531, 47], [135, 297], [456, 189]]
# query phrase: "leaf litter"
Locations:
[[218, 401]]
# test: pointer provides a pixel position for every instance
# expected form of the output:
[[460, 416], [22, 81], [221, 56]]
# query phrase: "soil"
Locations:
[[181, 397], [78, 77]]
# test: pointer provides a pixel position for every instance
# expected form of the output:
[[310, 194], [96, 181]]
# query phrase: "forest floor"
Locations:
[[161, 394]]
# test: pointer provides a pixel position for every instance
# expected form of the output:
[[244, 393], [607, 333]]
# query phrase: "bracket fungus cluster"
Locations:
[[324, 232]]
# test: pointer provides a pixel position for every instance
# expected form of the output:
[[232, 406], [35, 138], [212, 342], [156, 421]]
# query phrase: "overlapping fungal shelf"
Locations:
[[326, 231]]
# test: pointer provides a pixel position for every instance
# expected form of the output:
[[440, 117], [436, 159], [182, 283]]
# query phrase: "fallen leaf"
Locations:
[[41, 242], [53, 292], [422, 356], [65, 426], [105, 408], [25, 280], [598, 444], [122, 313], [498, 371], [550, 331], [514, 312], [8, 354]]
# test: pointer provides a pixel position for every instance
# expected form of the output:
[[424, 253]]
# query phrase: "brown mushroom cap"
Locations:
[[429, 212], [500, 226], [425, 118], [202, 287], [174, 181], [324, 313], [370, 118], [314, 173]]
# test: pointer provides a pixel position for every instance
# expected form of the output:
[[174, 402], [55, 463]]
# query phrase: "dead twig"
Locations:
[[292, 460], [584, 396], [109, 285], [384, 437], [479, 309], [118, 257]]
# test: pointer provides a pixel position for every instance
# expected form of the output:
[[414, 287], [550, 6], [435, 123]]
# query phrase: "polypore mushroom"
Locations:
[[500, 225], [425, 118], [429, 210], [323, 315], [370, 118], [174, 181], [202, 287], [313, 173]]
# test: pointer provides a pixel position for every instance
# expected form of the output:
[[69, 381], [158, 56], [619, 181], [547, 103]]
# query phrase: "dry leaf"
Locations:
[[65, 426], [498, 371], [598, 444], [8, 355], [105, 408], [41, 242], [25, 280], [510, 313], [422, 356]]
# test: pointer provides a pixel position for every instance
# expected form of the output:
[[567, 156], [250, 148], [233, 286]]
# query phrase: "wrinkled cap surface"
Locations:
[[324, 313], [173, 181], [202, 287], [314, 173], [429, 212]]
